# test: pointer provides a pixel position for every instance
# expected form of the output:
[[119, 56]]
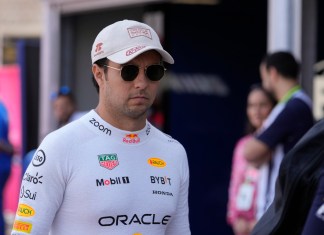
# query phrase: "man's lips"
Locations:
[[139, 97]]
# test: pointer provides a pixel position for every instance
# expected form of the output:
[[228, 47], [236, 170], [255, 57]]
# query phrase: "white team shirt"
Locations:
[[89, 177]]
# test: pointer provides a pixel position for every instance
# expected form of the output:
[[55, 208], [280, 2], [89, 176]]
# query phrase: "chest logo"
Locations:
[[156, 162], [109, 161], [131, 139]]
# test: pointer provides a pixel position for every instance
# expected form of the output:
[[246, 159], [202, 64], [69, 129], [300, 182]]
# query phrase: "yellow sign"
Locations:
[[25, 210], [157, 162], [21, 226]]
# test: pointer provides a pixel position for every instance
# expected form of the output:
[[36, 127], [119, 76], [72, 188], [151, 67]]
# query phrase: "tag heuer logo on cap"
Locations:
[[109, 161]]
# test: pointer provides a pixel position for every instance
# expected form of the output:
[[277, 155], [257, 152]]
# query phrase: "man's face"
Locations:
[[130, 99]]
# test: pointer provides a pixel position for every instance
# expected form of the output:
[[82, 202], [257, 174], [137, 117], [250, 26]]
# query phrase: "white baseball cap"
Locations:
[[123, 40]]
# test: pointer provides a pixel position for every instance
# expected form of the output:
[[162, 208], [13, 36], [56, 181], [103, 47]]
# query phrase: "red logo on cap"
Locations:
[[134, 50], [136, 32], [99, 47]]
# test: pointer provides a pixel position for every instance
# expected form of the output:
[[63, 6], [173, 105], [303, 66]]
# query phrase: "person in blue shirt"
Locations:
[[6, 152]]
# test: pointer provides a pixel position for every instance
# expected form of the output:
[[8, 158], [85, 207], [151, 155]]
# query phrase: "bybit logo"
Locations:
[[160, 180]]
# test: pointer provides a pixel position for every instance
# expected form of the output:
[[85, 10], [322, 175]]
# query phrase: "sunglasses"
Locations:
[[129, 72]]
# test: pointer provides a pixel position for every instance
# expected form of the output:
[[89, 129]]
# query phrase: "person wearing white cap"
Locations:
[[111, 171]]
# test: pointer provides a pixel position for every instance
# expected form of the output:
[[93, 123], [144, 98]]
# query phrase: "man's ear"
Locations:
[[98, 73], [273, 72]]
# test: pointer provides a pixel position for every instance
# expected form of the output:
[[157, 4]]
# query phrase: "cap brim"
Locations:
[[121, 57]]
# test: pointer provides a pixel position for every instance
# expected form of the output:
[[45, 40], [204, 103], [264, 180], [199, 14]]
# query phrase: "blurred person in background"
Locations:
[[65, 111], [241, 212], [6, 152], [290, 119], [65, 106]]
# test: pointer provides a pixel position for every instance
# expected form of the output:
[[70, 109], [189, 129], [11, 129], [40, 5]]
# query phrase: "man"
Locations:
[[111, 171], [286, 124], [6, 152], [314, 224], [64, 106], [298, 203]]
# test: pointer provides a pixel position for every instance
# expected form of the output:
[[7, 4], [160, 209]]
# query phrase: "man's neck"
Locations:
[[286, 89], [124, 123]]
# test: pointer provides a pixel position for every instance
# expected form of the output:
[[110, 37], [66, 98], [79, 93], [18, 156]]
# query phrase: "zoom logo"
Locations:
[[100, 127]]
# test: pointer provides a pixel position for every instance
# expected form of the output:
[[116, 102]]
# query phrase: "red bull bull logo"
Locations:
[[131, 139]]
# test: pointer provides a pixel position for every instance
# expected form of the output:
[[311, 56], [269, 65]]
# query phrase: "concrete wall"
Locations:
[[19, 19]]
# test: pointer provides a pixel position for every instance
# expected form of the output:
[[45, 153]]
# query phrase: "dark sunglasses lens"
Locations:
[[129, 72], [155, 72]]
